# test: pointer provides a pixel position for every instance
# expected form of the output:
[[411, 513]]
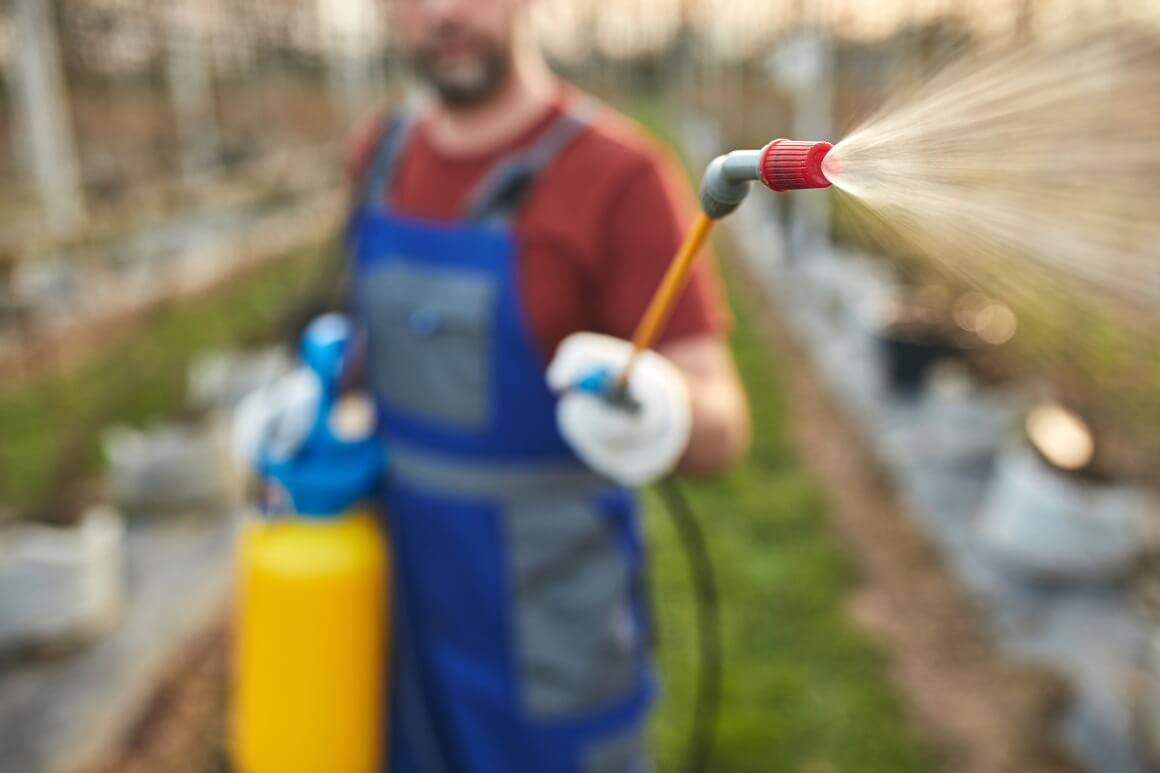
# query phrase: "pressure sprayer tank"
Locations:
[[311, 616]]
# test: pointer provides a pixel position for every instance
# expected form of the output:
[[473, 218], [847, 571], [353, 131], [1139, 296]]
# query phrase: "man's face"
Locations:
[[463, 48]]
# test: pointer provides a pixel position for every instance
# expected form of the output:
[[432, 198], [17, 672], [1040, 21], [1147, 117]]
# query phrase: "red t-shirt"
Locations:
[[596, 233]]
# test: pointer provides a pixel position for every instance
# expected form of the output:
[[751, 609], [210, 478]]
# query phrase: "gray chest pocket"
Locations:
[[577, 641], [429, 342]]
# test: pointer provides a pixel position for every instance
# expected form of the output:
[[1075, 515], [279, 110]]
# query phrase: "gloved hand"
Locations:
[[272, 423], [632, 438]]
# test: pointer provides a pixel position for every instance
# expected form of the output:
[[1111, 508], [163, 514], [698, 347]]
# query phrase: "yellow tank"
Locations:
[[310, 646]]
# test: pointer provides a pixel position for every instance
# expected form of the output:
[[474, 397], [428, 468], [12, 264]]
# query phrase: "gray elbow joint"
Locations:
[[727, 182]]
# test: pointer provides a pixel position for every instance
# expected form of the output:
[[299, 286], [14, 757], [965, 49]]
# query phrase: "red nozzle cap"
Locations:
[[789, 165]]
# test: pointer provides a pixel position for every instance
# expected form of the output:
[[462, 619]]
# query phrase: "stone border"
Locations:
[[63, 713], [69, 342]]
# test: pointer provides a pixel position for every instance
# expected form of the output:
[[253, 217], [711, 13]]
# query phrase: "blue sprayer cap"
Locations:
[[328, 476]]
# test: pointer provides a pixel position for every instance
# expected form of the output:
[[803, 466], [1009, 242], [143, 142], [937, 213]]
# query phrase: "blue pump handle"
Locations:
[[328, 475], [323, 350]]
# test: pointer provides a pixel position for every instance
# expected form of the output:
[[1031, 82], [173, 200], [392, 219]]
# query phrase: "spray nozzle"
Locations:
[[788, 165], [782, 165]]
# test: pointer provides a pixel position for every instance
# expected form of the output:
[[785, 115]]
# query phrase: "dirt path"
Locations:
[[980, 713], [181, 728]]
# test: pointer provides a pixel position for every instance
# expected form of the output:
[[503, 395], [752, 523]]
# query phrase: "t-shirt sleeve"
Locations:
[[646, 225]]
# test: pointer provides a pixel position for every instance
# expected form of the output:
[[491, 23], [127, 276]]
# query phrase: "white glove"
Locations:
[[631, 447], [272, 422]]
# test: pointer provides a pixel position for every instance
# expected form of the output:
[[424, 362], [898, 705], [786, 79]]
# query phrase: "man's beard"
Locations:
[[465, 86]]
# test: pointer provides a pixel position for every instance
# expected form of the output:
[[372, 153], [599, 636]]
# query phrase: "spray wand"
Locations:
[[782, 165]]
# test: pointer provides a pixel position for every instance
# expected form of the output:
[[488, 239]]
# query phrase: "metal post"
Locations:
[[805, 65], [47, 129], [351, 33], [190, 88]]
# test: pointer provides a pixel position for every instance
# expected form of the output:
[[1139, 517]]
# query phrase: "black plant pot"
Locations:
[[910, 356]]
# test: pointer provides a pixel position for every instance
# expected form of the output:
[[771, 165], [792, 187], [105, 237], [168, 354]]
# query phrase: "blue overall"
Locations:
[[519, 628]]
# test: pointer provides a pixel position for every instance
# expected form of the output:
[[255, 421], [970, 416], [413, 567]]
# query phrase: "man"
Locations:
[[508, 237]]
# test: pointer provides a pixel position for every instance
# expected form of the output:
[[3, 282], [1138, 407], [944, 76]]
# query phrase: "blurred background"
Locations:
[[939, 556]]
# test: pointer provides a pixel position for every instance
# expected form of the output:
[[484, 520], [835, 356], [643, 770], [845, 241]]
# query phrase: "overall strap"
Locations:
[[503, 190], [384, 166]]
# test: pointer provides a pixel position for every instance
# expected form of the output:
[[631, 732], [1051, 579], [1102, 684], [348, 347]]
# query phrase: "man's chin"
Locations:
[[467, 82], [461, 92]]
